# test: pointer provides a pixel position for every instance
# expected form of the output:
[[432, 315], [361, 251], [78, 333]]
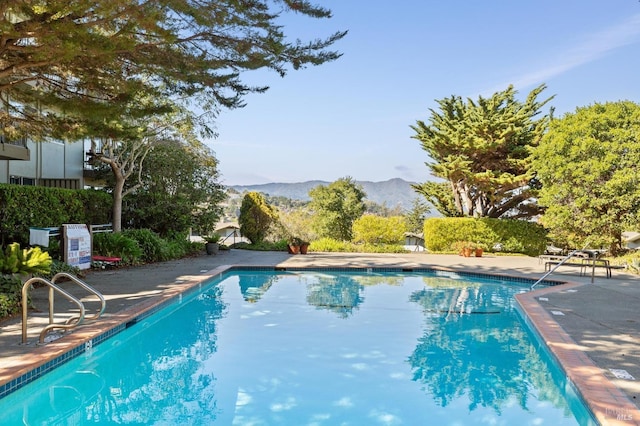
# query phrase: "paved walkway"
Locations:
[[593, 328]]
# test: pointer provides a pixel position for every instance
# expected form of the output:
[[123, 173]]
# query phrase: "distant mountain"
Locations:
[[390, 192]]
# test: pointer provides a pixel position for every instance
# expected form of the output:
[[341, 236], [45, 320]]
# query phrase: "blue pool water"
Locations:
[[314, 348]]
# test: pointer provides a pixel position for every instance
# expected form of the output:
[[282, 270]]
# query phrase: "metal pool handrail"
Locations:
[[52, 287], [563, 261], [552, 270], [103, 303], [72, 322]]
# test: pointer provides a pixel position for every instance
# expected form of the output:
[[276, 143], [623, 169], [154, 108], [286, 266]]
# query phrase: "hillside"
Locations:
[[390, 192]]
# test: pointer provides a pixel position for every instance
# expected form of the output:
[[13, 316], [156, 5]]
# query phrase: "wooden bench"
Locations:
[[104, 261]]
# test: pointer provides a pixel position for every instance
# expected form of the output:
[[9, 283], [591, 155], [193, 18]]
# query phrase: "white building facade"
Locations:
[[50, 164]]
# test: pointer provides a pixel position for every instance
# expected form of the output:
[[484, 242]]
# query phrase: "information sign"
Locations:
[[77, 245]]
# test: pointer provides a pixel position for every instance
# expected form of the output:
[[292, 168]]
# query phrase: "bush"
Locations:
[[330, 245], [10, 295], [514, 236], [180, 246], [154, 248], [59, 266], [14, 260], [117, 245], [379, 230], [630, 260], [263, 246], [143, 245], [22, 207], [335, 246], [256, 217]]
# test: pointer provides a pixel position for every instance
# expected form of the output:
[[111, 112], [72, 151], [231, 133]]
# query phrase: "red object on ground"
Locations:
[[106, 259]]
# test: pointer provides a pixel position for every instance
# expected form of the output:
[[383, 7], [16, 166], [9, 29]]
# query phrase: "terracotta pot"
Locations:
[[304, 248], [293, 249], [466, 252], [478, 252]]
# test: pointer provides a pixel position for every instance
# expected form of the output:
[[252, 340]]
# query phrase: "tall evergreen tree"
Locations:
[[416, 216], [256, 217], [105, 69], [62, 61], [482, 149]]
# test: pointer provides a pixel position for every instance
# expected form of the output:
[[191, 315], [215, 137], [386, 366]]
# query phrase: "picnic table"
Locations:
[[582, 259]]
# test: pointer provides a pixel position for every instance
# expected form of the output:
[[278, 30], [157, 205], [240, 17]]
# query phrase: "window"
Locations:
[[19, 180]]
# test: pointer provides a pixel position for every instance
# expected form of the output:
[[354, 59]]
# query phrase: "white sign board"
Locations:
[[77, 245]]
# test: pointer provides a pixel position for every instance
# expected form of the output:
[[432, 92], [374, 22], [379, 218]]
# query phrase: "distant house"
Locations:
[[413, 241], [230, 232], [632, 240]]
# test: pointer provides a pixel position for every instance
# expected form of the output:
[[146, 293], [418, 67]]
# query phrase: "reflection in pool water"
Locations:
[[316, 348]]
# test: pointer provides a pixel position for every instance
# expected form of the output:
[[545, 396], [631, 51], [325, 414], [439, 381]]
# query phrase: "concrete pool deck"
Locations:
[[593, 329]]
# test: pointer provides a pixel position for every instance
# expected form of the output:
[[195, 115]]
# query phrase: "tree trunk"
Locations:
[[466, 200], [117, 199], [456, 198]]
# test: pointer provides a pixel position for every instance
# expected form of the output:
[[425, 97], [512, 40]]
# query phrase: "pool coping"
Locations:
[[608, 404], [47, 357]]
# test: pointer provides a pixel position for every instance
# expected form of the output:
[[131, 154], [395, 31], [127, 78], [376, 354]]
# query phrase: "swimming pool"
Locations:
[[315, 348]]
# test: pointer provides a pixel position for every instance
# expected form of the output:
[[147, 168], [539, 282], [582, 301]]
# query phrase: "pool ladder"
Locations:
[[551, 271], [562, 262], [70, 323]]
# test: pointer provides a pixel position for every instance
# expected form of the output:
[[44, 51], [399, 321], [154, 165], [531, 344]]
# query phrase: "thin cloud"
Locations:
[[592, 48]]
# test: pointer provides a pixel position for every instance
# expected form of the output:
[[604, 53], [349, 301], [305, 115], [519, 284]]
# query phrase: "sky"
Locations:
[[352, 117]]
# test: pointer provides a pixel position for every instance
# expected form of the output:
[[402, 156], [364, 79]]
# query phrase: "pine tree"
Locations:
[[63, 61]]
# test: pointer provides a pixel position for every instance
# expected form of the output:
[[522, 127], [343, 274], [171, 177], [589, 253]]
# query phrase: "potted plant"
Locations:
[[211, 243], [294, 244], [304, 247], [464, 248]]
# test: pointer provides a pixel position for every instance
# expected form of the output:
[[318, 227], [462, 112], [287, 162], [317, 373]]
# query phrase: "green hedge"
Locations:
[[336, 246], [515, 236], [22, 207]]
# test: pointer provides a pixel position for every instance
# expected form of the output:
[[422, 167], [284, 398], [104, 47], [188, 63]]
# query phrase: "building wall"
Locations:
[[53, 164]]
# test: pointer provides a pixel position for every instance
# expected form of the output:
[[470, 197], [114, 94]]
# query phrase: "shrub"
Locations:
[[263, 246], [117, 245], [515, 236], [379, 230], [10, 295], [256, 217], [214, 237], [154, 248], [331, 245], [59, 266], [14, 260], [179, 246], [22, 207]]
